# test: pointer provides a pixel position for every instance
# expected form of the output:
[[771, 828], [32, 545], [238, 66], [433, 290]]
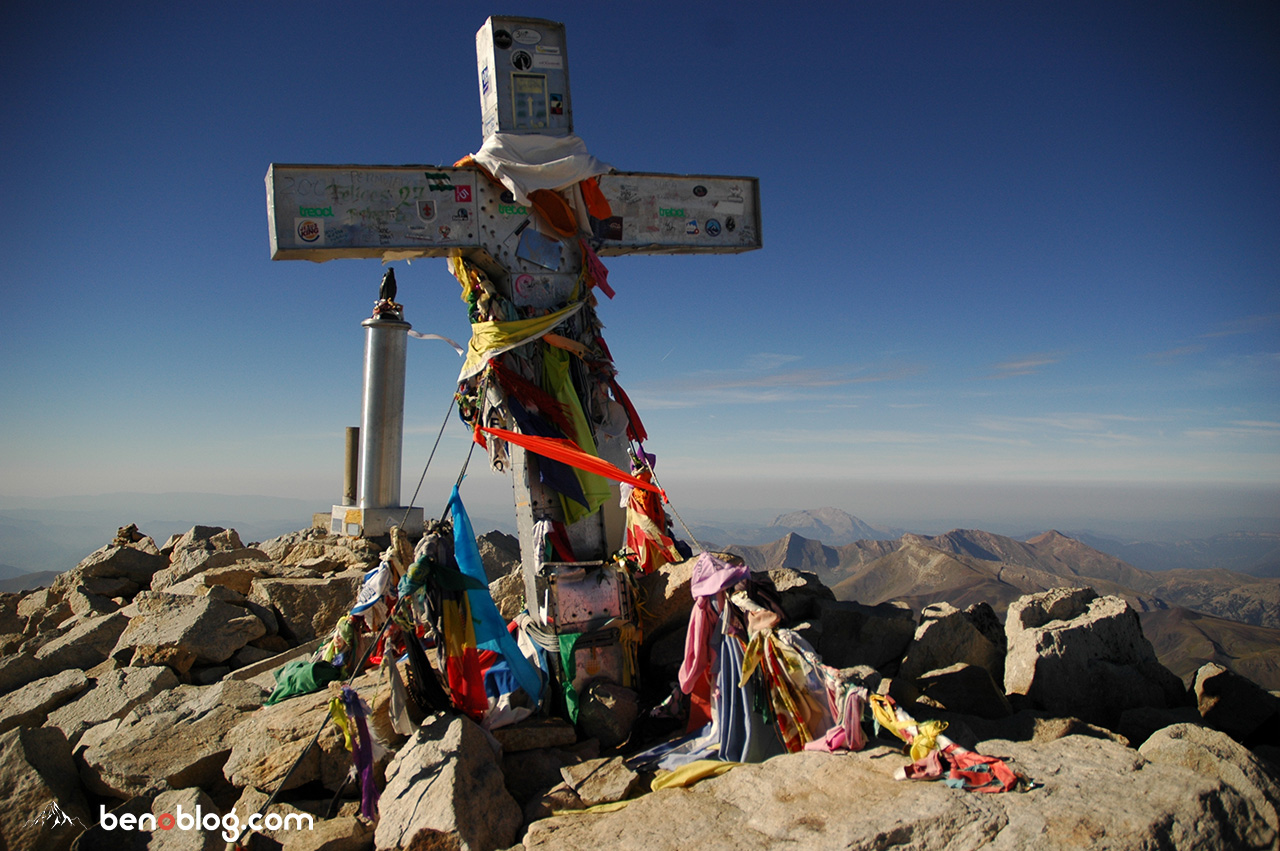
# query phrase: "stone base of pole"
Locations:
[[375, 522]]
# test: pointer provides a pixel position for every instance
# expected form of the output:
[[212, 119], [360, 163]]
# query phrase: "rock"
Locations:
[[292, 820], [86, 603], [297, 547], [1139, 723], [601, 781], [346, 833], [10, 622], [1215, 755], [1079, 654], [1096, 794], [557, 798], [134, 564], [85, 645], [20, 668], [500, 554], [967, 689], [1237, 706], [203, 548], [180, 631], [947, 635], [186, 802], [178, 737], [802, 593], [42, 611], [308, 608], [508, 594], [528, 774], [535, 733], [120, 837], [28, 706], [445, 790], [266, 743], [44, 807], [667, 600], [607, 712], [112, 695], [854, 634]]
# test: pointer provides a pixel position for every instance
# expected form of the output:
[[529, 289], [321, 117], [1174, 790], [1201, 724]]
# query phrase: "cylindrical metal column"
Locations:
[[382, 411], [351, 466]]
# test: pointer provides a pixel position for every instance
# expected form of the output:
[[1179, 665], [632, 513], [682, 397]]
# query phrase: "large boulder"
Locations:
[[854, 634], [966, 689], [1075, 653], [947, 636], [44, 807], [445, 790], [1237, 706], [180, 631], [308, 608], [1096, 794], [1216, 755]]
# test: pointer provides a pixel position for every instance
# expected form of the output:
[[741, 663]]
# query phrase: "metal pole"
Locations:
[[382, 410], [351, 466]]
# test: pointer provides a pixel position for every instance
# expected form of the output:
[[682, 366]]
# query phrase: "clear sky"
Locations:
[[1017, 256]]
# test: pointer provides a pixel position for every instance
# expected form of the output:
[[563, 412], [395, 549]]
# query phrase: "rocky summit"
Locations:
[[133, 715]]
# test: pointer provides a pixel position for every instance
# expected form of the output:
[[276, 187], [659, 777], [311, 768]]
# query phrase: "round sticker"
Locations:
[[521, 60], [308, 230], [713, 227], [699, 190], [523, 284], [502, 39], [527, 36]]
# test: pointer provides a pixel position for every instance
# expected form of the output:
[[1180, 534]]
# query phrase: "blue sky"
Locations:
[[1021, 260]]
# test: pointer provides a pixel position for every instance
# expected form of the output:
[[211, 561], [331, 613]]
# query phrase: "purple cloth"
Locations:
[[711, 575]]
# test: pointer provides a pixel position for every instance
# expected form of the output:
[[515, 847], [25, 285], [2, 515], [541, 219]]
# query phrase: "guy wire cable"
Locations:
[[452, 400]]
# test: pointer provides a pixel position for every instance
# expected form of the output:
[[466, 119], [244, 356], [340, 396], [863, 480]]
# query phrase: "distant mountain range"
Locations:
[[1190, 616]]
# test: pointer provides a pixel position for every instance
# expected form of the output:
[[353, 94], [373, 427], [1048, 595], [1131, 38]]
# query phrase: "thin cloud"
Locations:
[[1247, 325], [1027, 366], [1172, 355]]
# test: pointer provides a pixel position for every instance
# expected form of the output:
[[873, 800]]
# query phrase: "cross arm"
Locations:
[[325, 212]]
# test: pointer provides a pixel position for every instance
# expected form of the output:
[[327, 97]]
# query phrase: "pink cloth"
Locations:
[[697, 651]]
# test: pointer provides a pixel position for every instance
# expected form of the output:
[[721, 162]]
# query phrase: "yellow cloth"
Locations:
[[923, 739], [690, 773], [611, 807], [339, 716], [490, 339], [557, 381]]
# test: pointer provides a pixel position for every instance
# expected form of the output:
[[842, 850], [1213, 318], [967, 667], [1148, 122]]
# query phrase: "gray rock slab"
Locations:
[[112, 695], [209, 630], [308, 608], [29, 705], [1096, 794], [86, 644], [1216, 755], [445, 790], [44, 807]]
